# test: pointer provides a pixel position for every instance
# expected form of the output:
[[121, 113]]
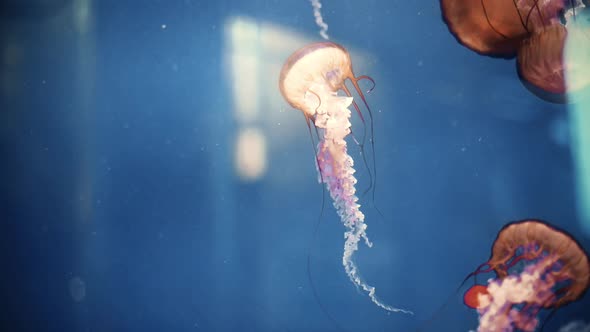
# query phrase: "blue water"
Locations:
[[121, 205]]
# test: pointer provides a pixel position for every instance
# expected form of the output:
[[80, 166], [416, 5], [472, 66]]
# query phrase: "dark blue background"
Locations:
[[118, 169]]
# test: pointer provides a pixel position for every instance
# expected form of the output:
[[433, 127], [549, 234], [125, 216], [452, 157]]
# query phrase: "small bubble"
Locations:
[[164, 26]]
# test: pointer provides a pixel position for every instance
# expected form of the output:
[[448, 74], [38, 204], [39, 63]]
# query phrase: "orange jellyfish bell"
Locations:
[[490, 27]]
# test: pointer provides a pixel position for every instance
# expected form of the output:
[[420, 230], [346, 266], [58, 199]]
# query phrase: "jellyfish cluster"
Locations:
[[537, 267], [533, 31]]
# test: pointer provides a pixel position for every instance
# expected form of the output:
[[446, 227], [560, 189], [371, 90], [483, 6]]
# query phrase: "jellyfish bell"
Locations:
[[491, 28], [537, 239], [547, 70], [541, 60], [543, 63], [318, 67], [315, 64]]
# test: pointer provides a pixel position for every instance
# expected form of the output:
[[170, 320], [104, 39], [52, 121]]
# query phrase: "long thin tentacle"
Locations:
[[520, 17], [485, 12], [543, 20], [362, 143], [354, 81], [317, 108], [365, 77]]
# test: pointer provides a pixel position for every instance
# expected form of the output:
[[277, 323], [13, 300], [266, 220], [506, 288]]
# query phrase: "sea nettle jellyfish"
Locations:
[[535, 31], [537, 266], [310, 81]]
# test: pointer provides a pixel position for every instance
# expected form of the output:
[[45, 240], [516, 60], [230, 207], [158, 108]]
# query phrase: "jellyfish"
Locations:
[[533, 31], [310, 81], [537, 266]]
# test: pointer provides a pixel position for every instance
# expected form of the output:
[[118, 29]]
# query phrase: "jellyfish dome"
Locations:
[[319, 64], [489, 28]]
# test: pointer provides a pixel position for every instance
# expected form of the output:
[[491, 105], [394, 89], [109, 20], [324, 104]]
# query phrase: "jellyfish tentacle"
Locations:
[[485, 13], [536, 7], [541, 16], [362, 143], [356, 141], [319, 100], [355, 83], [520, 17], [309, 123], [528, 16], [366, 77], [356, 106], [372, 129]]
